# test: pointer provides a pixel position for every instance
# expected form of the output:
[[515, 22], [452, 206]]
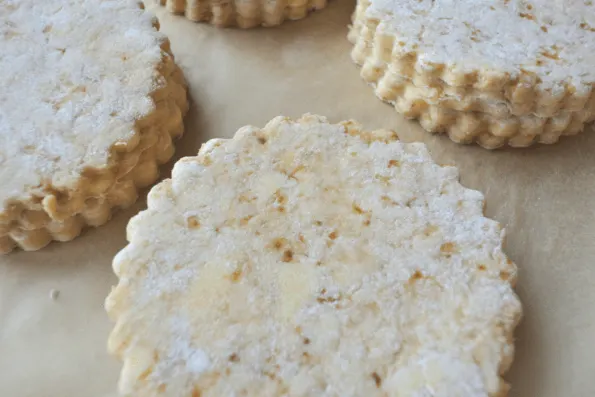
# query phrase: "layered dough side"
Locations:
[[490, 109], [243, 13], [62, 214]]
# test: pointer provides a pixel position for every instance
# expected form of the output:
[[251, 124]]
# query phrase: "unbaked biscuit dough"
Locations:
[[243, 13], [313, 259], [90, 101], [514, 60]]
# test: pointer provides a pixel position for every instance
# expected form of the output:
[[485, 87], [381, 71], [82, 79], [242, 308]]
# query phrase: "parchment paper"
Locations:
[[544, 196]]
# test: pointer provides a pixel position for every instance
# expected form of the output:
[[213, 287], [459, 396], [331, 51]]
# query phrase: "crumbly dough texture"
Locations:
[[91, 99], [243, 13], [313, 259], [477, 83]]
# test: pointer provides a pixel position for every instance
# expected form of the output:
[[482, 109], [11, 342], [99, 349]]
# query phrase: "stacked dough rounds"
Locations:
[[243, 13], [311, 259], [90, 101], [494, 72]]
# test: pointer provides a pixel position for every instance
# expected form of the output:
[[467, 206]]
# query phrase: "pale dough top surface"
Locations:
[[76, 74], [553, 38], [299, 260]]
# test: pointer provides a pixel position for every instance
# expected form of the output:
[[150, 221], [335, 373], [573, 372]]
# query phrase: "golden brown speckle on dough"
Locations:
[[244, 221], [447, 248], [206, 160], [430, 229], [393, 163], [278, 243], [388, 200], [417, 275], [554, 54], [586, 26], [357, 209], [287, 256], [236, 275], [377, 379], [526, 16], [195, 392], [326, 299], [295, 171], [280, 197], [504, 275], [193, 222], [383, 178], [333, 235], [244, 199], [145, 374], [481, 267], [234, 358]]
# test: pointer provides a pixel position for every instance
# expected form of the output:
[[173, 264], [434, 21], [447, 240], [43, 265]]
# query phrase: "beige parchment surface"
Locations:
[[545, 197]]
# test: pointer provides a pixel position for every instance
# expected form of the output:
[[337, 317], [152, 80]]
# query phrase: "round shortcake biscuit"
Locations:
[[510, 59], [313, 259], [243, 13], [91, 99]]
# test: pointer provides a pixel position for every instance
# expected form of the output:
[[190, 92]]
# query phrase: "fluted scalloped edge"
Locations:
[[489, 131], [244, 14], [61, 215], [139, 356]]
